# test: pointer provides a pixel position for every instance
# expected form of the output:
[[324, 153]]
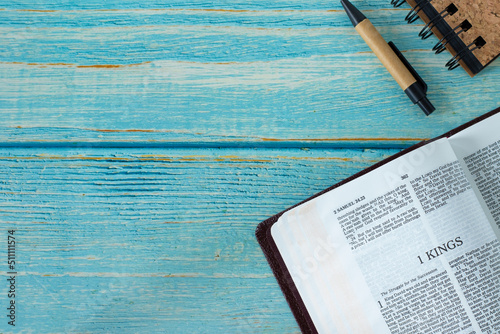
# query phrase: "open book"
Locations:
[[410, 245]]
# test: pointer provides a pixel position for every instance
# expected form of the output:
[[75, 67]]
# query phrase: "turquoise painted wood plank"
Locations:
[[215, 76], [301, 99], [152, 304], [135, 36], [222, 4], [164, 17], [159, 240]]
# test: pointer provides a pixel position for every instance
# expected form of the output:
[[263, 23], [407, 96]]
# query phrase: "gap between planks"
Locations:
[[354, 143]]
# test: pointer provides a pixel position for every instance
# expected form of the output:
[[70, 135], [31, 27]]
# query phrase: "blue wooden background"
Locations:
[[141, 142]]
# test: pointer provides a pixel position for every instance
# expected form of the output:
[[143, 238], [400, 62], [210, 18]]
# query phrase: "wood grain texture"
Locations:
[[255, 73], [141, 142], [158, 240]]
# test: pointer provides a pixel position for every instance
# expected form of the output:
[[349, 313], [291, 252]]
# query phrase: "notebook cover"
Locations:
[[483, 15], [273, 256]]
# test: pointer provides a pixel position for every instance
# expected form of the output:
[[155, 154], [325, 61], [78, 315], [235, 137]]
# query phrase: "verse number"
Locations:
[[357, 200]]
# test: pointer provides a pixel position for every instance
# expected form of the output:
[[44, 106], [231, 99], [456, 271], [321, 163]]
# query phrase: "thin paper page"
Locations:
[[376, 255], [478, 150]]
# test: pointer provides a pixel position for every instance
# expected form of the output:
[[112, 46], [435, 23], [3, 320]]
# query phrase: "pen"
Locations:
[[407, 78]]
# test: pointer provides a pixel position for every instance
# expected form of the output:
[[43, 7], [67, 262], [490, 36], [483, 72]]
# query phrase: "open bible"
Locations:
[[410, 245]]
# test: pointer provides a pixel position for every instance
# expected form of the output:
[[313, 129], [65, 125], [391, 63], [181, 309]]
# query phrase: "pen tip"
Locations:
[[354, 14], [426, 106]]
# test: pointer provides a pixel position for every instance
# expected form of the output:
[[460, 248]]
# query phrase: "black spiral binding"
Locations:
[[455, 32], [397, 3], [412, 16], [426, 31], [476, 44], [437, 20]]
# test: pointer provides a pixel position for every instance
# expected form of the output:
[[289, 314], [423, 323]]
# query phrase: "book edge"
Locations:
[[273, 256]]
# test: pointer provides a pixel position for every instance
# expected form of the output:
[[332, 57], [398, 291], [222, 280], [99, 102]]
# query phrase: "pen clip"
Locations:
[[408, 66]]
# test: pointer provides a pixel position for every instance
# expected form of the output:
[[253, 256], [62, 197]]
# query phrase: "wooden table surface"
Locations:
[[141, 142]]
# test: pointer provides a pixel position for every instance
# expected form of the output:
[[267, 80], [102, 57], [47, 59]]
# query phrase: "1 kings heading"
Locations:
[[441, 249]]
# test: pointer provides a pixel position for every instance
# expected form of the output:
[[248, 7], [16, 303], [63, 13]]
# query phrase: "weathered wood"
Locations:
[[190, 4], [141, 142], [303, 100], [154, 239], [218, 76]]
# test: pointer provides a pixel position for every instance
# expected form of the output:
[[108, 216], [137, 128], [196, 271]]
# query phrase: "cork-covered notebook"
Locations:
[[468, 29]]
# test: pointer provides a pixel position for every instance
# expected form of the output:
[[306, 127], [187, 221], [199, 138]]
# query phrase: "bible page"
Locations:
[[478, 150], [379, 253]]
